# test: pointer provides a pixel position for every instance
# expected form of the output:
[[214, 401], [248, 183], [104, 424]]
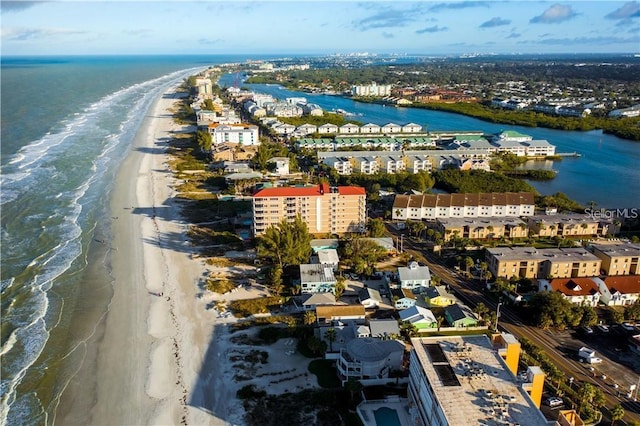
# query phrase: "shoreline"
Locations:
[[143, 363]]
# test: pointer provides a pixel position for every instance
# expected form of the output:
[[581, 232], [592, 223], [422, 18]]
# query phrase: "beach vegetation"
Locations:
[[325, 372], [400, 182], [204, 140], [561, 201], [259, 305], [288, 243], [220, 286]]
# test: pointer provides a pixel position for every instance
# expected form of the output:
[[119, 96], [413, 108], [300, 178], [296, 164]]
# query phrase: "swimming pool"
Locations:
[[386, 417]]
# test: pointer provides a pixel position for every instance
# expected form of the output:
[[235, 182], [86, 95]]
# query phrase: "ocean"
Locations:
[[607, 172], [67, 124]]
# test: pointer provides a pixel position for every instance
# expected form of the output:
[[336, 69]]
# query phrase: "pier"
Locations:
[[568, 154]]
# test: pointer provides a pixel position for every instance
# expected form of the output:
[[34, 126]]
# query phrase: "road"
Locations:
[[470, 292]]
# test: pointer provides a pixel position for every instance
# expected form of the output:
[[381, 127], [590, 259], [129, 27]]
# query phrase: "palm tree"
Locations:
[[309, 318], [331, 337], [440, 320], [617, 413]]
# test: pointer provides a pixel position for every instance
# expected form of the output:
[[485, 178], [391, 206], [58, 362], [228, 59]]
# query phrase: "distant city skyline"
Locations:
[[319, 27]]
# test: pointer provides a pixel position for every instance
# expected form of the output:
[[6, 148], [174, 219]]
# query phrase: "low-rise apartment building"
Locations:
[[482, 228], [528, 262], [570, 225], [618, 259], [324, 209], [243, 134], [434, 206]]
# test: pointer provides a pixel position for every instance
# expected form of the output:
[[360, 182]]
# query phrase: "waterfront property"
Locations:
[[528, 262], [369, 358], [324, 209], [332, 315], [618, 259], [243, 134], [433, 206], [465, 380]]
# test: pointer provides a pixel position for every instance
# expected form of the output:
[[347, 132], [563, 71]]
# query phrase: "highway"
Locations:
[[470, 292]]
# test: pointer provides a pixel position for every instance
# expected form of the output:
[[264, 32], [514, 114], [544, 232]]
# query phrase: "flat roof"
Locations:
[[552, 254], [459, 394], [619, 249], [459, 222]]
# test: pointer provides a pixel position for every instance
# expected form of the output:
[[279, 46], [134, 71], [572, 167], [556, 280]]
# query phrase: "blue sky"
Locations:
[[319, 27]]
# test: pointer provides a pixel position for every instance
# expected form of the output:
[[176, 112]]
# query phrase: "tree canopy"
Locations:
[[361, 254], [551, 309], [288, 243]]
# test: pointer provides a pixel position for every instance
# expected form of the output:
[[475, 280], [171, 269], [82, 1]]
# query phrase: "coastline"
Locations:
[[143, 363]]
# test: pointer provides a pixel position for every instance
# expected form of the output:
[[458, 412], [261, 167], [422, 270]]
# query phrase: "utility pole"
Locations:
[[498, 314], [401, 242]]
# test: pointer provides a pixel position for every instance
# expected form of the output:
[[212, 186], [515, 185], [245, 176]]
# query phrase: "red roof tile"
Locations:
[[307, 191], [625, 284], [575, 286]]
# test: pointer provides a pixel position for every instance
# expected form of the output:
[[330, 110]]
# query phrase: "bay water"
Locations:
[[607, 172]]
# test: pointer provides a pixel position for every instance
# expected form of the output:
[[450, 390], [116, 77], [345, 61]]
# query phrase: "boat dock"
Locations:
[[568, 154]]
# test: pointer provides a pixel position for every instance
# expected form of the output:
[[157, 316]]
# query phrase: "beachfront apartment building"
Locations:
[[434, 206], [470, 380], [243, 134], [619, 258], [528, 262], [372, 89], [325, 209]]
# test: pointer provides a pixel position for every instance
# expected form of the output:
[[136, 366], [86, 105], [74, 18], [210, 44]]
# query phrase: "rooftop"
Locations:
[[464, 199], [480, 222], [553, 254], [574, 286], [460, 395], [624, 284], [308, 191], [620, 249], [316, 273]]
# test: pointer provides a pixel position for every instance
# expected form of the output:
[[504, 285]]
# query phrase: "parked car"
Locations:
[[586, 330], [602, 328], [553, 401]]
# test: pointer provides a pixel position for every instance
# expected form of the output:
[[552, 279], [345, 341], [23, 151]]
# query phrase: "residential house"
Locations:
[[280, 165], [403, 298], [331, 315], [620, 290], [411, 128], [369, 298], [438, 296], [384, 328], [419, 317], [349, 128], [327, 257], [580, 291], [370, 128], [459, 315], [370, 358], [618, 259], [328, 128], [283, 129], [414, 277], [391, 128], [306, 129], [316, 278], [310, 301]]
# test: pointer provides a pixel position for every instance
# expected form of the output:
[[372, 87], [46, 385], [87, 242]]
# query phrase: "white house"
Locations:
[[369, 298], [404, 298], [580, 291], [370, 128], [349, 128], [327, 257], [317, 278], [414, 277], [281, 165], [370, 358], [411, 128], [619, 290], [244, 134], [391, 128], [327, 128]]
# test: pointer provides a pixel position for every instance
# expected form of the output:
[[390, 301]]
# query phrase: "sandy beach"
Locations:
[[146, 366]]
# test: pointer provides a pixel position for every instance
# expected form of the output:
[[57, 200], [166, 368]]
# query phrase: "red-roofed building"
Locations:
[[621, 290], [325, 209], [581, 291]]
